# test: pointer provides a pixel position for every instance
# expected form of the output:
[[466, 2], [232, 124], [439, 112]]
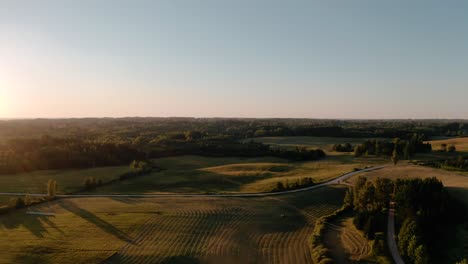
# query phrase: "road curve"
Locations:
[[392, 245], [337, 180]]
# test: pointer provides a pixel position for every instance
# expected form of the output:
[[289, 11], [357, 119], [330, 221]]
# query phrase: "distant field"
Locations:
[[196, 174], [167, 230], [67, 180], [460, 143], [324, 143]]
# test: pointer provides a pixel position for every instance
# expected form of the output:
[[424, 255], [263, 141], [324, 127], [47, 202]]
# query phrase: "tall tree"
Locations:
[[52, 188]]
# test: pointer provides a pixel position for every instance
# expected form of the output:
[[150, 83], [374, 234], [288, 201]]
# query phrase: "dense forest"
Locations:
[[426, 212], [27, 145]]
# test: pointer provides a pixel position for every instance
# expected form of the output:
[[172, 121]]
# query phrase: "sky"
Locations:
[[238, 58]]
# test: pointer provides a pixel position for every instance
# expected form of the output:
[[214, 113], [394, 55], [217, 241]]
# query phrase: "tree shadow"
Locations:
[[94, 219], [36, 224], [180, 260]]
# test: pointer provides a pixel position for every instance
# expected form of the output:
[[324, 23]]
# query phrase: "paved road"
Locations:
[[337, 180], [392, 245]]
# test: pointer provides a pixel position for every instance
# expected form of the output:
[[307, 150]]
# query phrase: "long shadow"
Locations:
[[103, 225], [36, 224]]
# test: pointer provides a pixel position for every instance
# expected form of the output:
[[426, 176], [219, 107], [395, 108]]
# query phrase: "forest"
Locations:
[[428, 214], [27, 145]]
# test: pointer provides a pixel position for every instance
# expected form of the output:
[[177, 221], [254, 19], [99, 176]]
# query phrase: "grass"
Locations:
[[196, 174], [348, 245], [67, 180], [345, 242], [324, 143], [461, 144], [167, 230]]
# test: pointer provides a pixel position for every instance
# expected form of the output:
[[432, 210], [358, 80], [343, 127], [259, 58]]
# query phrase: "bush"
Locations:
[[18, 203]]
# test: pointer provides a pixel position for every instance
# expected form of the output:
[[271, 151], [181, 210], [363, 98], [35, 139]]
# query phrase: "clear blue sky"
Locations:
[[318, 59]]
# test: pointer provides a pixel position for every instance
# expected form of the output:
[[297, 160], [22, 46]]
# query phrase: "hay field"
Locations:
[[168, 230], [460, 143], [345, 242]]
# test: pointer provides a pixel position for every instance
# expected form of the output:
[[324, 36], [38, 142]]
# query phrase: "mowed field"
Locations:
[[346, 242], [168, 230], [196, 174]]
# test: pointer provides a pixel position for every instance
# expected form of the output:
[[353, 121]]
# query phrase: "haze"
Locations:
[[322, 59]]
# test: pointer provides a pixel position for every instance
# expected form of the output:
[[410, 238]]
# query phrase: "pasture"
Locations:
[[324, 143], [68, 180], [196, 174], [167, 230]]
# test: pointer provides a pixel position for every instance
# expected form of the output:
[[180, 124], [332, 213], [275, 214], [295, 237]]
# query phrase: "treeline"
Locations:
[[424, 207], [293, 184], [46, 152], [238, 128], [459, 163], [404, 148], [22, 155]]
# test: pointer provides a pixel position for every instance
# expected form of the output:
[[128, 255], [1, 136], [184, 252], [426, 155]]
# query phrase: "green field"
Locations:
[[324, 143], [196, 174], [67, 180], [167, 230]]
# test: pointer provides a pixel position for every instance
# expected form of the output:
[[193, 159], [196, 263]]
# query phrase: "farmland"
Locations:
[[461, 143], [345, 242], [196, 174], [91, 230]]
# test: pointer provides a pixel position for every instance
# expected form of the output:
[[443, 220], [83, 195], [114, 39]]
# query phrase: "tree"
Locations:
[[395, 156], [451, 149], [443, 147], [279, 186], [19, 202], [51, 188], [407, 151]]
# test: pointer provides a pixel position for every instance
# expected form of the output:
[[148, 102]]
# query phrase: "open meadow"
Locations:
[[167, 230], [197, 174]]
